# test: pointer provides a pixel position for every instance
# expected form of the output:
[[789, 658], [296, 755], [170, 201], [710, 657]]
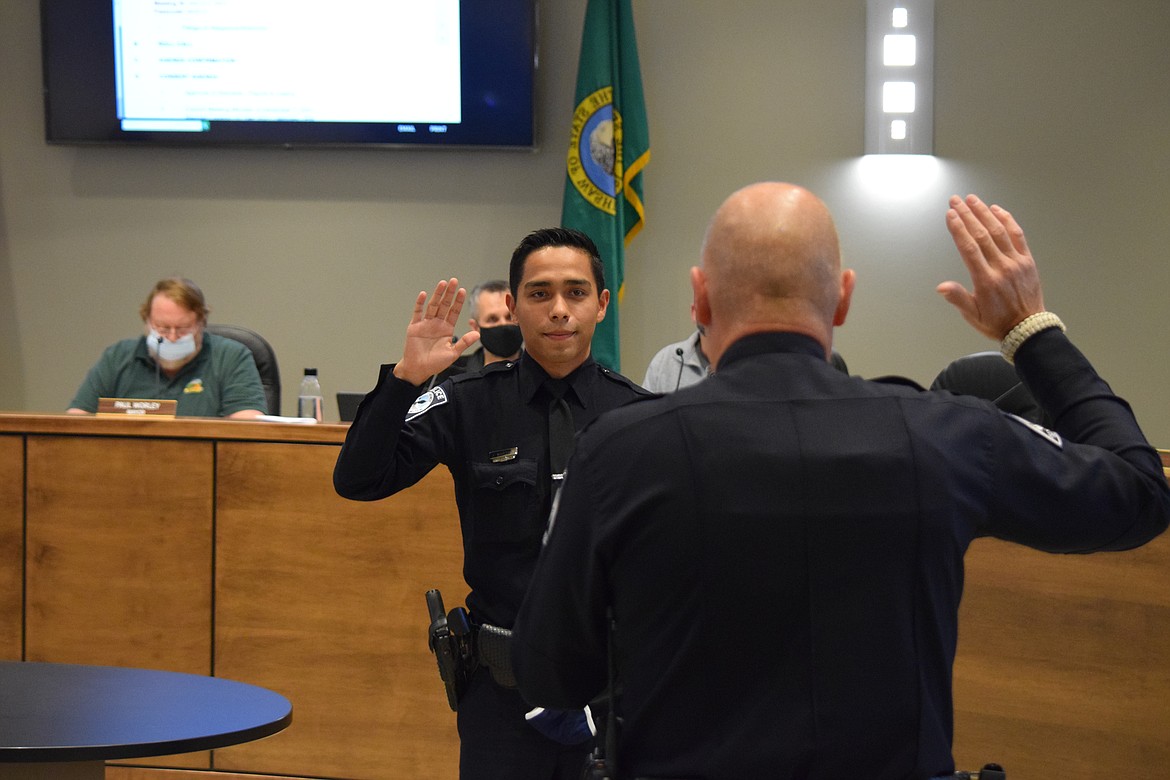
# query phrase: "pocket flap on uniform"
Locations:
[[501, 476]]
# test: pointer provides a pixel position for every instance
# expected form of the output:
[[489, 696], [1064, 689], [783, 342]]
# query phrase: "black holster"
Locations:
[[451, 639]]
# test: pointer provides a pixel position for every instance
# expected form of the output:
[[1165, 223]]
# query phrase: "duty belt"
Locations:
[[493, 649], [461, 646]]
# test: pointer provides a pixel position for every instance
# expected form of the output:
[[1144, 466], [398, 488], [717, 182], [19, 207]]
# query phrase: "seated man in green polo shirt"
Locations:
[[209, 375]]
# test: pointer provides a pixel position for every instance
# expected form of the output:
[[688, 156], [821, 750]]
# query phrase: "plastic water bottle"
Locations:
[[310, 400]]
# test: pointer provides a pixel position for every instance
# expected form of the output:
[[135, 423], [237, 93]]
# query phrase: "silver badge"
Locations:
[[503, 456]]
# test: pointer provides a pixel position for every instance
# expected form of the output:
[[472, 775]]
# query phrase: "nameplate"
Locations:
[[137, 407]]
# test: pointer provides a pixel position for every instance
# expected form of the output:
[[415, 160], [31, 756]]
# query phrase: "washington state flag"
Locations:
[[608, 149]]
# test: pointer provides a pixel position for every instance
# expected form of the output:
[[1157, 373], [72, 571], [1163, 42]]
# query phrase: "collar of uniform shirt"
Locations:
[[580, 382], [754, 344]]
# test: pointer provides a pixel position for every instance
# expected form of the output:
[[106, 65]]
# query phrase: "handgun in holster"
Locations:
[[450, 639]]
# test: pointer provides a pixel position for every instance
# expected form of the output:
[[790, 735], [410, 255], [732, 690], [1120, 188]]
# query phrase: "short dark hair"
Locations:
[[555, 236]]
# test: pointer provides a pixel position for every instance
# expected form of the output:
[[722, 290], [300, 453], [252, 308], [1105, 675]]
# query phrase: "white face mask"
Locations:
[[170, 351]]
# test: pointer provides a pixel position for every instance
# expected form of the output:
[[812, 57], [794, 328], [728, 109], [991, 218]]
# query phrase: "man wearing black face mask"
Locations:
[[498, 332]]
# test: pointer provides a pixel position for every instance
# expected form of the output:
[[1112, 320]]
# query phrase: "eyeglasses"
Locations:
[[174, 331]]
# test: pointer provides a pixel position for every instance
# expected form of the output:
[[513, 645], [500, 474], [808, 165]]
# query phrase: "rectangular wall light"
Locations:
[[899, 77]]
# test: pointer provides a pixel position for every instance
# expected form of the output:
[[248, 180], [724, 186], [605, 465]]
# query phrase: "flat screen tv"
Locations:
[[436, 73]]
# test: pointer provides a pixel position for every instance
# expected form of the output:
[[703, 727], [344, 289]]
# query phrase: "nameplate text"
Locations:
[[137, 407]]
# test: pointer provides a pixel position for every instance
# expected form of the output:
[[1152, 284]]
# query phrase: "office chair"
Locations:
[[264, 356], [987, 375]]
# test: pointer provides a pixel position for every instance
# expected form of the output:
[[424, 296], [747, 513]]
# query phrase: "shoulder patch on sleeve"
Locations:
[[1039, 430], [428, 400]]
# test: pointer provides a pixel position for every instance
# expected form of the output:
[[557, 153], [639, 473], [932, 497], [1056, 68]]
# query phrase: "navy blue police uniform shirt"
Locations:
[[490, 429], [785, 564]]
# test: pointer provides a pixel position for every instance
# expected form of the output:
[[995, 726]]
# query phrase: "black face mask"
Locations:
[[501, 340]]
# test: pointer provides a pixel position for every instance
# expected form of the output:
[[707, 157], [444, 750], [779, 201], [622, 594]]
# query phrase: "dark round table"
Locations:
[[65, 720]]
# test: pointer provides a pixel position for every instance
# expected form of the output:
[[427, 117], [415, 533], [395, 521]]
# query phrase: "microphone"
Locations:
[[158, 367], [681, 365]]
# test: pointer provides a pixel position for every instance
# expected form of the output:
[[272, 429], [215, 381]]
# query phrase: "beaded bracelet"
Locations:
[[1026, 329]]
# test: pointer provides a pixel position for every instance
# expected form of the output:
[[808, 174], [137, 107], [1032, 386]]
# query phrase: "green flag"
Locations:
[[608, 148]]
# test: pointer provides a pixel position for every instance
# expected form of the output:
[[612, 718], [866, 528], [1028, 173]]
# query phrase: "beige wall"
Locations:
[[1056, 108]]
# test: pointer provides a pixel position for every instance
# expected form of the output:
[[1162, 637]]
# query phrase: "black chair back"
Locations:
[[262, 353], [987, 375]]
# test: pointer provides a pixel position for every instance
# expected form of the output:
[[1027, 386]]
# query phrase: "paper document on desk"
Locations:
[[294, 420]]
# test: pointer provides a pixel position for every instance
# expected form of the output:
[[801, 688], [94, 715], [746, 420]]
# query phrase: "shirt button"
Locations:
[[499, 480]]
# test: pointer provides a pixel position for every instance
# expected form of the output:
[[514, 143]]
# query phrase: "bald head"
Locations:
[[771, 261]]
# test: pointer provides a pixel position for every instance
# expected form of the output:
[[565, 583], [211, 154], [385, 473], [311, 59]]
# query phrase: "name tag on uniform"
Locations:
[[503, 456]]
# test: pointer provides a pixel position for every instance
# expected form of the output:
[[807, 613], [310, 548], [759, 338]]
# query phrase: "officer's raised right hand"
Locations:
[[1004, 281], [429, 347]]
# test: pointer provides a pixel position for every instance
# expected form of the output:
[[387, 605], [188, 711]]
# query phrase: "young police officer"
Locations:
[[491, 429]]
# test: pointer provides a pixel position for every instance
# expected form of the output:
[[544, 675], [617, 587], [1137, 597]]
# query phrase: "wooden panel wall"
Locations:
[[121, 772], [119, 552], [321, 599], [119, 555], [11, 547], [213, 548], [1064, 662]]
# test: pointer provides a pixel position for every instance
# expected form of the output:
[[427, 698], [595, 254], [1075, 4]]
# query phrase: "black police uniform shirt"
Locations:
[[490, 429], [786, 561]]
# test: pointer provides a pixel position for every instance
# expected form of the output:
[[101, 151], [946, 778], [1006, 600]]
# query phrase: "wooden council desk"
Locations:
[[219, 547]]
